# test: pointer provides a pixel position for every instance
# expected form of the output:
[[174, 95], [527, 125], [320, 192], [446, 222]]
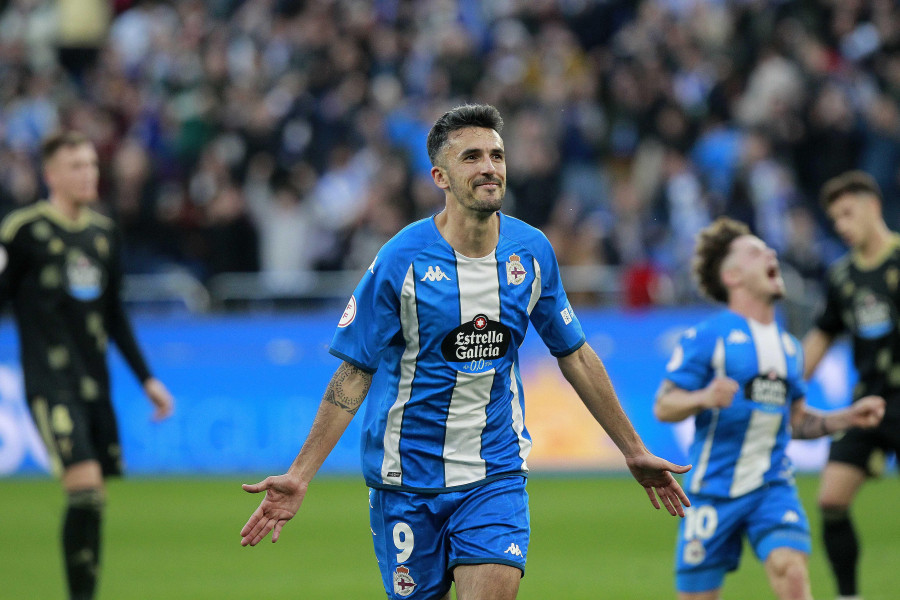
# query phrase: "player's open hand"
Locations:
[[160, 397], [284, 495], [655, 474], [867, 412]]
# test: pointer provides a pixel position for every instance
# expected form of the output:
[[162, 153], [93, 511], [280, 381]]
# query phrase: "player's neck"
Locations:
[[751, 307], [68, 208], [470, 235], [875, 245]]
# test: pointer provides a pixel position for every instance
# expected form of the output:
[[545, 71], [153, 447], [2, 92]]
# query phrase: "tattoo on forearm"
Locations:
[[811, 427], [348, 387]]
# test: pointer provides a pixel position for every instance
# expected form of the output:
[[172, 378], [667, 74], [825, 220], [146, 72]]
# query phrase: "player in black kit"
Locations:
[[863, 299], [59, 267]]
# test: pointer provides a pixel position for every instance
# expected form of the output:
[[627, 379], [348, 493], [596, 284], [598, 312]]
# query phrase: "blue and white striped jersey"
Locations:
[[441, 333], [740, 448]]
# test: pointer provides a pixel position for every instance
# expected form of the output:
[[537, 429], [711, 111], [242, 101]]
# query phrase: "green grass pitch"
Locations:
[[592, 538]]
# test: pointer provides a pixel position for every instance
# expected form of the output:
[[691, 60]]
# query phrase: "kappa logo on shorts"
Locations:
[[514, 550], [404, 584]]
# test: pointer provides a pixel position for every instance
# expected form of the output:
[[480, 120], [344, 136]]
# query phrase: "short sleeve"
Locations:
[[831, 319], [690, 366], [552, 316], [370, 321]]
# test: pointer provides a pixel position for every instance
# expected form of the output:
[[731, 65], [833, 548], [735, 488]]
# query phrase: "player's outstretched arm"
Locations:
[[807, 423], [655, 474], [284, 493], [585, 371], [815, 344], [161, 398]]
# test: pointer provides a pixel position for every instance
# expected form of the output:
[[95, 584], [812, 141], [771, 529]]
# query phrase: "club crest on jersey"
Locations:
[[515, 272], [84, 277], [873, 316], [404, 584], [769, 390], [473, 346]]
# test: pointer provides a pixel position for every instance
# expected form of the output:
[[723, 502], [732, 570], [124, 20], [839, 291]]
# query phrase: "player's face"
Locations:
[[473, 169], [757, 268], [73, 172], [854, 216]]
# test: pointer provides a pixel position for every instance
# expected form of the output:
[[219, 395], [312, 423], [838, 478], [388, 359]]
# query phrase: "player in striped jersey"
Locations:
[[740, 376], [430, 337]]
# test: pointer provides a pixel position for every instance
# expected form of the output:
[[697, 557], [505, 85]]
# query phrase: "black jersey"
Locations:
[[63, 279], [864, 300]]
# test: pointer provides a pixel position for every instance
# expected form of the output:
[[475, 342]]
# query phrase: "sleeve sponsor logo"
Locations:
[[567, 315], [349, 313]]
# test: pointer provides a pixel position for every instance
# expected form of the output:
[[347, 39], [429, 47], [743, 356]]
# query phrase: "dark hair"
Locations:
[[467, 115], [851, 182], [713, 244], [62, 139]]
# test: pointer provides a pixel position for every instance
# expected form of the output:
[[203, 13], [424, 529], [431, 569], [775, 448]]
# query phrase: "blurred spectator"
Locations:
[[306, 121]]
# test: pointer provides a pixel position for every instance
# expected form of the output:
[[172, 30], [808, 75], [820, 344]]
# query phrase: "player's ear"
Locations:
[[439, 175]]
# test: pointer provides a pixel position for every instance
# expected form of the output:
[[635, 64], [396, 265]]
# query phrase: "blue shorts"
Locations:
[[710, 537], [419, 538]]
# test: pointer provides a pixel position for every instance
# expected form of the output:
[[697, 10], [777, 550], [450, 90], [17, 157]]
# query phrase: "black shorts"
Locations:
[[868, 449], [78, 431]]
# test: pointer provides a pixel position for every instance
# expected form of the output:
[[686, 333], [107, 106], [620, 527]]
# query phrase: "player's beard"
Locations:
[[469, 199]]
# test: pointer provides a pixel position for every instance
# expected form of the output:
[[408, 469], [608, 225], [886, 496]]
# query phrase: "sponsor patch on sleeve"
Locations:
[[349, 313]]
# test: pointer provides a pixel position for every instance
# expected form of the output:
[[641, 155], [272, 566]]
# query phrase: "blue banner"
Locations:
[[247, 388]]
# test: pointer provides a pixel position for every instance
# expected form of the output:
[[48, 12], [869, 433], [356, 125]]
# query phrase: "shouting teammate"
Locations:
[[430, 337], [739, 375], [59, 266]]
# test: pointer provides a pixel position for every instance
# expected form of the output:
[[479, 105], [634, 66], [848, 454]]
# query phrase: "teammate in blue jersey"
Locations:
[[430, 338], [740, 376]]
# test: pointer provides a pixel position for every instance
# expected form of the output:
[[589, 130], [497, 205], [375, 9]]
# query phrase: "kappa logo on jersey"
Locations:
[[435, 274], [479, 341], [767, 389], [514, 550], [515, 272], [737, 337], [371, 268], [404, 584], [790, 516], [349, 313]]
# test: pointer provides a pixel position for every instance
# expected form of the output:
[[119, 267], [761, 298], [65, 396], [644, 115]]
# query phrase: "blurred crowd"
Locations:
[[279, 135]]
